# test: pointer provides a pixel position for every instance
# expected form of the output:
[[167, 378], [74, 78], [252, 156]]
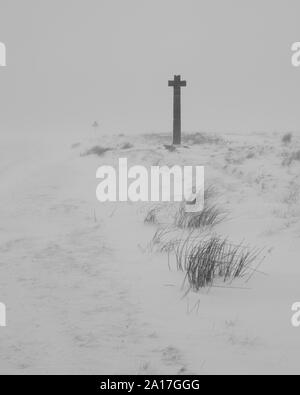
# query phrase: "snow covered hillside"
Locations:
[[84, 292]]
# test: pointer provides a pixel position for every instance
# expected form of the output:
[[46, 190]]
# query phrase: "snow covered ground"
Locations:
[[85, 295]]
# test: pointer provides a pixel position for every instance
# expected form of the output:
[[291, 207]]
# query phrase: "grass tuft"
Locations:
[[206, 259], [151, 216], [208, 217], [96, 150], [210, 259], [201, 138], [165, 239], [127, 146], [294, 156], [287, 138], [170, 148]]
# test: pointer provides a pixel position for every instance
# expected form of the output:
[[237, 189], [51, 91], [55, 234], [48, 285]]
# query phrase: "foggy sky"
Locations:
[[71, 62]]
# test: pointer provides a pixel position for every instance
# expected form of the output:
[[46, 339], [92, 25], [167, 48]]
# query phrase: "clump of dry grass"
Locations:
[[205, 258], [201, 138], [151, 216], [160, 214], [293, 194], [292, 157], [165, 239], [96, 150], [214, 259], [250, 155], [210, 193], [287, 138], [175, 214], [170, 148], [127, 146], [208, 217]]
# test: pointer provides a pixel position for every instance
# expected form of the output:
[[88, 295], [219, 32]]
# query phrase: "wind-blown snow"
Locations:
[[83, 293]]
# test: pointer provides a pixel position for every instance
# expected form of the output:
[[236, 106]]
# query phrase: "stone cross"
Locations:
[[177, 84]]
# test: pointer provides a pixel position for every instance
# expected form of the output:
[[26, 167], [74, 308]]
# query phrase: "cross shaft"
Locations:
[[177, 83]]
